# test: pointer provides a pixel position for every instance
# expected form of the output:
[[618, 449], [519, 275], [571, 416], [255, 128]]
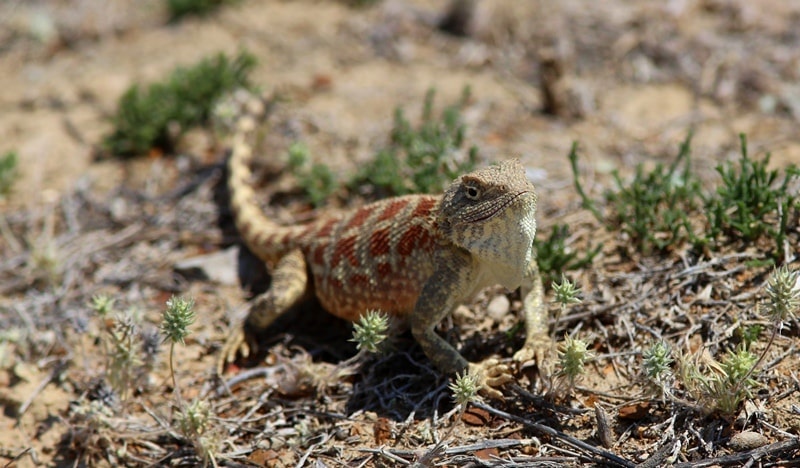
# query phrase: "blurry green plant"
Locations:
[[555, 257], [316, 180], [8, 172], [751, 203], [422, 159], [180, 8], [158, 115]]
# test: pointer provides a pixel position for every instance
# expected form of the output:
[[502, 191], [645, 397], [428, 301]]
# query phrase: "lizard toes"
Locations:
[[235, 346], [491, 375]]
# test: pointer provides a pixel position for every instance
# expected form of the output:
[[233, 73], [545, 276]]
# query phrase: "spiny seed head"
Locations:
[[783, 291], [102, 304], [370, 331], [657, 361], [465, 388], [177, 318], [193, 421], [573, 355], [566, 292]]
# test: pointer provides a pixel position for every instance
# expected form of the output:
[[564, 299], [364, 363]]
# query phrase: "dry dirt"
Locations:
[[628, 81]]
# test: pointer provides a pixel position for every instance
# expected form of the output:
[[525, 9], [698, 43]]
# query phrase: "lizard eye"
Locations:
[[473, 193]]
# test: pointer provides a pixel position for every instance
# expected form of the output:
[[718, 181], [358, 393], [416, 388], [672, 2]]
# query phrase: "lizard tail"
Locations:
[[259, 233]]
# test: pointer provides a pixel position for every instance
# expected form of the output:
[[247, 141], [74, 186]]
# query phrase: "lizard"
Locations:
[[414, 257]]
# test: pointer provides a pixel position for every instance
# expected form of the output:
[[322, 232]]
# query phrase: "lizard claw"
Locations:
[[236, 345], [535, 349], [491, 374]]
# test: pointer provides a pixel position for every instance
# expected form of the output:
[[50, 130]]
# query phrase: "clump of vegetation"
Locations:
[[554, 256], [121, 341], [316, 180], [180, 8], [749, 205], [8, 172], [722, 386], [158, 115], [655, 208], [419, 160]]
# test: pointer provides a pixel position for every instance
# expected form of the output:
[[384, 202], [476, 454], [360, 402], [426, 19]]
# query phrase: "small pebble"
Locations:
[[747, 440], [498, 307]]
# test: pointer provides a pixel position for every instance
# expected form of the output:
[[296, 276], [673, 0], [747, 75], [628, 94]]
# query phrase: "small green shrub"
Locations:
[[316, 179], [180, 8], [8, 172], [554, 257], [161, 113], [749, 204], [654, 208], [421, 159]]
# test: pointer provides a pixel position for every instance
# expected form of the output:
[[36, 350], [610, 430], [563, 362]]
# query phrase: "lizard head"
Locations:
[[491, 213]]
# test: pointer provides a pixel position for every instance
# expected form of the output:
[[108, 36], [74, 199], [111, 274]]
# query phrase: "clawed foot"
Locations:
[[490, 375], [535, 349], [237, 345]]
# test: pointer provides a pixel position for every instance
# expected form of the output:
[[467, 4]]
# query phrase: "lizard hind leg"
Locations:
[[289, 286]]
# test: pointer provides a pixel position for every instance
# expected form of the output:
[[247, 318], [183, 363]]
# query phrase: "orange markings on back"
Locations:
[[415, 236], [345, 248], [359, 217], [392, 209], [423, 208], [359, 281], [379, 242], [384, 270], [327, 228]]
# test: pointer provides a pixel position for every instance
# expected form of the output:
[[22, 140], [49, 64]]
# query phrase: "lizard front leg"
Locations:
[[289, 285], [447, 286], [537, 340]]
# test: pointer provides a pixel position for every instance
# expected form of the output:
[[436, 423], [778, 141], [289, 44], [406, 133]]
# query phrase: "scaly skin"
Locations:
[[414, 257]]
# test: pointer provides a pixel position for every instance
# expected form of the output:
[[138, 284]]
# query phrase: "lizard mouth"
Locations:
[[492, 210]]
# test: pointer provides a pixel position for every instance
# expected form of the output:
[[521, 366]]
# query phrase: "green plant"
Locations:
[[565, 294], [573, 354], [370, 331], [465, 389], [317, 180], [654, 208], [121, 339], [419, 160], [554, 257], [749, 204], [158, 115], [177, 318], [8, 172], [723, 386], [180, 8], [657, 364]]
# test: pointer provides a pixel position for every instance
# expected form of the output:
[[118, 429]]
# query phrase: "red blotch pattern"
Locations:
[[359, 217], [392, 209], [345, 248], [379, 242]]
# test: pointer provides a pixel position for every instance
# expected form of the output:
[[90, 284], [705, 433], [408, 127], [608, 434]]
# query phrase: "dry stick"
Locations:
[[738, 458], [486, 444], [576, 443], [60, 367]]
